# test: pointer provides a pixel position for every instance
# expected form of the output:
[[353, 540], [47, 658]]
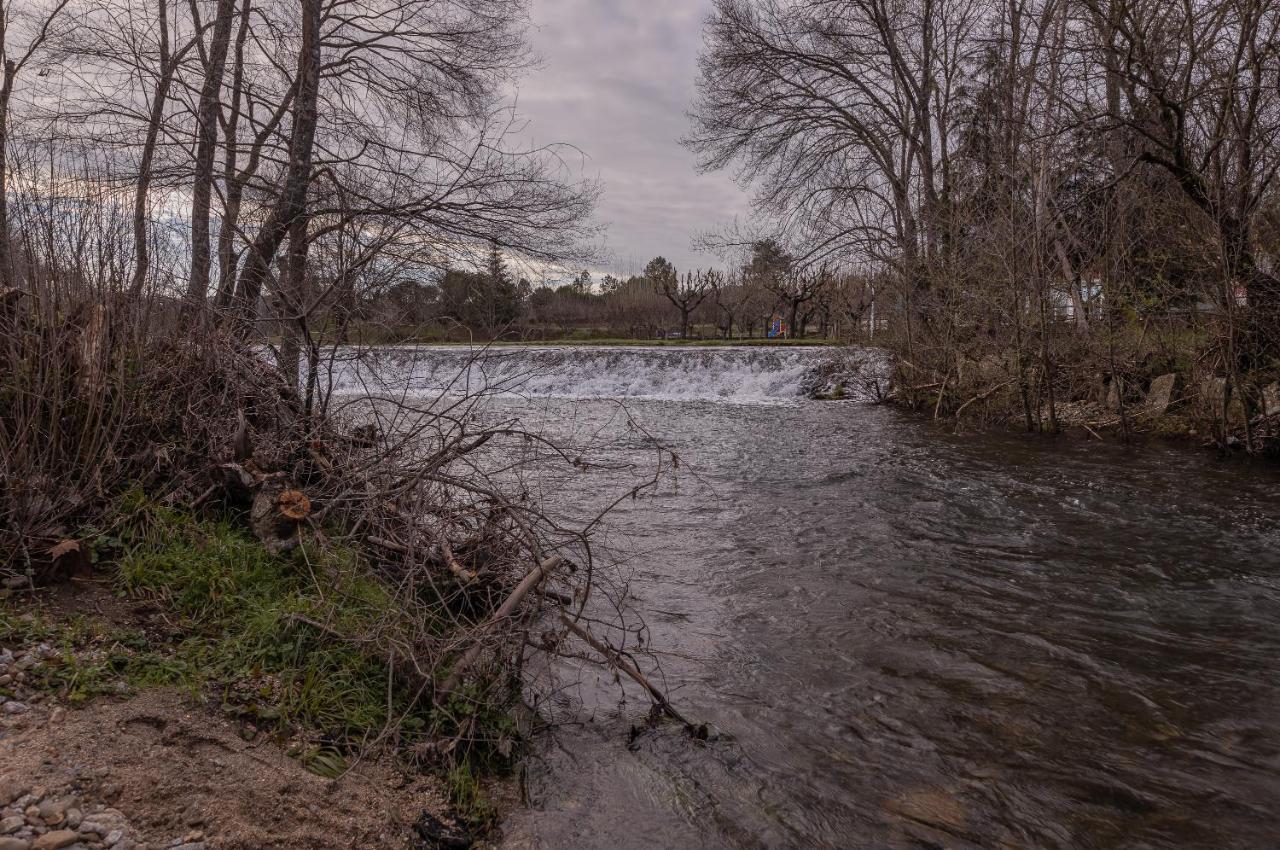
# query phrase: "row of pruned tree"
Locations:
[[770, 284], [490, 302]]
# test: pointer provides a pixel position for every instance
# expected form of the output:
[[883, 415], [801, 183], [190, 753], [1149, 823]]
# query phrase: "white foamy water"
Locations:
[[733, 375]]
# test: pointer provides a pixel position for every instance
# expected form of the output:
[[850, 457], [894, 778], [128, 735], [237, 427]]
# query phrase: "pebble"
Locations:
[[55, 812], [12, 789], [55, 818], [56, 840]]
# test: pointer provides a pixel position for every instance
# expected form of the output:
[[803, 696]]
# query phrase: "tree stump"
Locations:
[[277, 515]]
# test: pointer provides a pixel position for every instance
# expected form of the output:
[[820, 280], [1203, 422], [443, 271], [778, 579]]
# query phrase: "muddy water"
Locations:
[[905, 638]]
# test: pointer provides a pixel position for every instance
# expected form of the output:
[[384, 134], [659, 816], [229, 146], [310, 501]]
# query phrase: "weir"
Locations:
[[729, 374]]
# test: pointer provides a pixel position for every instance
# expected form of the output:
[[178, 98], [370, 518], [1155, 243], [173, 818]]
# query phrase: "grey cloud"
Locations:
[[616, 79]]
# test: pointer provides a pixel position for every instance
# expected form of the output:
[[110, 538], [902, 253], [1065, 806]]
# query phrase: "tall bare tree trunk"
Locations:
[[292, 201], [6, 92], [206, 147], [294, 303], [234, 186], [141, 260]]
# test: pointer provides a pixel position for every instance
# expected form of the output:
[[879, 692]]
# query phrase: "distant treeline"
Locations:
[[767, 296]]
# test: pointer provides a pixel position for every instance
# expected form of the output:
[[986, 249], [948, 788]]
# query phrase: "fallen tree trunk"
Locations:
[[615, 660], [505, 610]]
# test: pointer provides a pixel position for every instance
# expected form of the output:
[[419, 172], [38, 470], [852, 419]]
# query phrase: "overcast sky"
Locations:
[[616, 80]]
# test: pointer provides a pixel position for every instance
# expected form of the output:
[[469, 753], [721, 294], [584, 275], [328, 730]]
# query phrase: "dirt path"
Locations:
[[157, 771]]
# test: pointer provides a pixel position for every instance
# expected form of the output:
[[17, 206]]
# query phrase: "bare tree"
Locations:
[[41, 23], [1194, 87], [206, 144], [842, 111], [292, 200], [684, 293]]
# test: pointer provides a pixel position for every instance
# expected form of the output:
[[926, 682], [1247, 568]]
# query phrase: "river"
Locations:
[[904, 637]]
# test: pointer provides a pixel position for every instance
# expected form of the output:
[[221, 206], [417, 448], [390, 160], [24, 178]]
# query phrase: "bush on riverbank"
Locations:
[[351, 573], [288, 643], [1134, 375]]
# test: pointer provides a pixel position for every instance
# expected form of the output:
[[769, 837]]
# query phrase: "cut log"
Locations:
[[294, 505], [276, 515]]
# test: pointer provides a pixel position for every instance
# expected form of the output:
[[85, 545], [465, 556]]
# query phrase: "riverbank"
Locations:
[[346, 588], [157, 770], [1189, 404], [201, 691]]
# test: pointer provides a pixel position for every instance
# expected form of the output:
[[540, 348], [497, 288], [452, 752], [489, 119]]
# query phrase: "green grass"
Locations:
[[247, 616], [89, 659], [468, 796], [243, 632]]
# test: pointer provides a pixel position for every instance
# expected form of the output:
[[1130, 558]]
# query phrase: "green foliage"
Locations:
[[297, 634], [468, 796], [288, 643], [292, 632]]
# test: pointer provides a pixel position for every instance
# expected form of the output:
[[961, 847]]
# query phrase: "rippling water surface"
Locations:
[[908, 638]]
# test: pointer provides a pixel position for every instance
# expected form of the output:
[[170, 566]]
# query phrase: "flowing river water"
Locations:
[[903, 637]]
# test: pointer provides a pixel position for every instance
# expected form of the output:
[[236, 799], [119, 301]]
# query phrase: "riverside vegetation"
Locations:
[[348, 590], [1054, 212], [1052, 204], [185, 506]]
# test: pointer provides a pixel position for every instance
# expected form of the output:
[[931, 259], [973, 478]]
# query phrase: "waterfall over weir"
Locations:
[[731, 374]]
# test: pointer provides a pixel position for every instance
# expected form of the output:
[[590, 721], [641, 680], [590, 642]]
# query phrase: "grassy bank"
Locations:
[[284, 643]]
